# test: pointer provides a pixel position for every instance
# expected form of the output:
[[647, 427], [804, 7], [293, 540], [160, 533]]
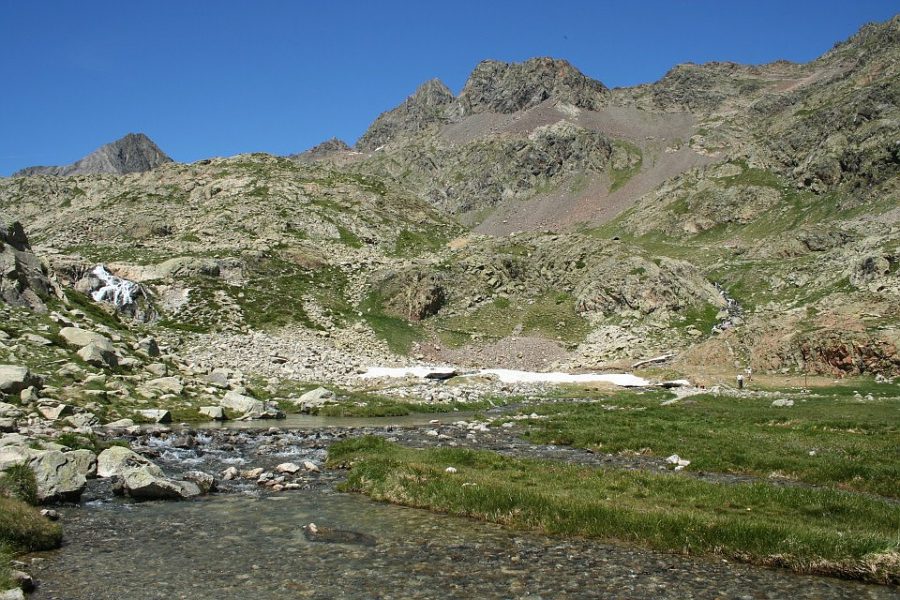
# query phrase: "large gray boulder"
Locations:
[[75, 336], [249, 408], [59, 476], [97, 356], [315, 399], [145, 483], [114, 461], [164, 385], [15, 378]]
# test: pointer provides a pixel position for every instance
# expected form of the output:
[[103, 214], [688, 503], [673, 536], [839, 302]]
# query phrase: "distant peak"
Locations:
[[132, 153]]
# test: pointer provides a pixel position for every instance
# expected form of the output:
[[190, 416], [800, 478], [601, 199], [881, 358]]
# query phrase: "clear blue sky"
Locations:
[[217, 78]]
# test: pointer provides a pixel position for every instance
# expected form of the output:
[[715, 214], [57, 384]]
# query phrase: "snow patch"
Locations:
[[512, 376]]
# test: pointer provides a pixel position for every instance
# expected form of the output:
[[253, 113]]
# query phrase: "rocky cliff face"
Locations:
[[511, 87], [134, 153]]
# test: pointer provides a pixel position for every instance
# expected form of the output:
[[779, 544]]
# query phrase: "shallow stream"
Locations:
[[249, 542], [253, 546]]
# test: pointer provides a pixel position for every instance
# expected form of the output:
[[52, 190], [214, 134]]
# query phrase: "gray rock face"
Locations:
[[134, 153], [510, 87], [24, 279], [426, 106], [15, 378]]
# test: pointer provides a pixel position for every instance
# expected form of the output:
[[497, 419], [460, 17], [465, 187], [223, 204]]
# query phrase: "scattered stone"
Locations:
[[205, 481], [216, 413], [679, 462], [49, 513], [165, 385], [13, 594], [315, 399], [75, 336], [9, 410], [450, 470], [85, 462], [287, 467], [782, 403], [14, 379], [314, 533], [148, 346], [53, 413], [310, 466], [155, 415], [230, 473], [249, 408], [120, 424], [83, 420], [96, 356]]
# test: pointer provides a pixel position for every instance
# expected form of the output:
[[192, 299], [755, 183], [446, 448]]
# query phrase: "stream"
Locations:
[[249, 542]]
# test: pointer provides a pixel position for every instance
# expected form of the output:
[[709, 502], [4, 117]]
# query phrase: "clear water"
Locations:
[[251, 545]]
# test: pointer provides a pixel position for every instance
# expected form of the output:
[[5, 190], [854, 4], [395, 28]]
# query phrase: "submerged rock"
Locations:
[[314, 533]]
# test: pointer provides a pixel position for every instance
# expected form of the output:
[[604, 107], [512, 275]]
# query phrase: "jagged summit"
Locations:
[[134, 153], [505, 88], [425, 106]]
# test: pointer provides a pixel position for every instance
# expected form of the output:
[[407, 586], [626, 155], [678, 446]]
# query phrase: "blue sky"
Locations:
[[206, 78]]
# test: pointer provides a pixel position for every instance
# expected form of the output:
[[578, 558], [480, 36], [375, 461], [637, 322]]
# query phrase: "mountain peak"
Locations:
[[133, 153], [501, 87]]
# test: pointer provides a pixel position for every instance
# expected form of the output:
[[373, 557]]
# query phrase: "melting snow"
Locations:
[[512, 376]]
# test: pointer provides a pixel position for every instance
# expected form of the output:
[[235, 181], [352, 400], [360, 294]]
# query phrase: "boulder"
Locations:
[[8, 425], [13, 594], [53, 413], [9, 410], [120, 424], [315, 399], [83, 420], [97, 356], [216, 413], [148, 346], [85, 462], [205, 481], [116, 460], [15, 378], [57, 475], [287, 467], [146, 482], [249, 408], [155, 415], [165, 385], [75, 336]]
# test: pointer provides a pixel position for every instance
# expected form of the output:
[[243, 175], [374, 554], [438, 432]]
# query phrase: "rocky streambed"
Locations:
[[251, 538]]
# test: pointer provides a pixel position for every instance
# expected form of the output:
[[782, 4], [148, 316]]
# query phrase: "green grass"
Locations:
[[854, 444], [414, 243], [809, 530], [396, 331], [619, 177], [552, 315], [367, 404], [22, 528]]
